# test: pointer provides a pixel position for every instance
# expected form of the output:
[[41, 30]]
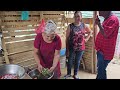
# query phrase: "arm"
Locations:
[[37, 56], [56, 55], [56, 59], [102, 30], [67, 38], [37, 59], [88, 32], [108, 28]]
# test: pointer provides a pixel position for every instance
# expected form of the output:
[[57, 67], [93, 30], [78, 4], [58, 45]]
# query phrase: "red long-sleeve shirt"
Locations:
[[107, 44]]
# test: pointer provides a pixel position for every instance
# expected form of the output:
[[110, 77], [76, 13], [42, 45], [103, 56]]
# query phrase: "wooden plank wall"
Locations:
[[19, 35]]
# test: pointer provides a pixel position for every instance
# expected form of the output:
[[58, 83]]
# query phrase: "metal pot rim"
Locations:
[[20, 77]]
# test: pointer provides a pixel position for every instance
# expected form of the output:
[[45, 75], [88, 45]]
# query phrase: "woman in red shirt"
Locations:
[[47, 47]]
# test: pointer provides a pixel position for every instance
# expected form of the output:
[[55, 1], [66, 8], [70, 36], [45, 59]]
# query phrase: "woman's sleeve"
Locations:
[[37, 41], [58, 43]]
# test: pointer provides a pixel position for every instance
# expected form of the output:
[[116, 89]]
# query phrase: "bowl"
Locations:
[[36, 74], [12, 69]]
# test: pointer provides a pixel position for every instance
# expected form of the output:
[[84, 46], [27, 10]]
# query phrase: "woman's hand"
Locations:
[[52, 69], [97, 21], [40, 68]]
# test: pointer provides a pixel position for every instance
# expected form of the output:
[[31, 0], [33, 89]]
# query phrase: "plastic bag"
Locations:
[[25, 15], [41, 27]]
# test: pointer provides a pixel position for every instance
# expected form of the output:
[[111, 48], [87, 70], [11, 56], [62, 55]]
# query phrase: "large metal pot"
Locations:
[[12, 69], [35, 73]]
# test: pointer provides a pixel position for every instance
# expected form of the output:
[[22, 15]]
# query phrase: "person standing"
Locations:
[[75, 43], [106, 41]]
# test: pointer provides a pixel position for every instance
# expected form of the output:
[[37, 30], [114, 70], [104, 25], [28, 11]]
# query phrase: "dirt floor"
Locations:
[[113, 72]]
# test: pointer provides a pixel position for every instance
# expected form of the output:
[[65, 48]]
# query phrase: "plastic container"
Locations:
[[62, 52]]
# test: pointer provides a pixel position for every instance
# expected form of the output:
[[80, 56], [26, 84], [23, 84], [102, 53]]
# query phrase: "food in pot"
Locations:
[[44, 74], [45, 71], [9, 76]]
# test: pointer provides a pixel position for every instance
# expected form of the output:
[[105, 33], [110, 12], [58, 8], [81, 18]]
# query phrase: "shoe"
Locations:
[[75, 77], [67, 76]]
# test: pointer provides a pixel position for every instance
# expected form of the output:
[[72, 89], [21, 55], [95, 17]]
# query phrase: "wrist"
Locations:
[[39, 64], [53, 66]]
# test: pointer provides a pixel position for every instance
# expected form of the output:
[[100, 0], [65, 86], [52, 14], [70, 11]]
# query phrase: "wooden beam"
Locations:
[[5, 52], [53, 12], [18, 33], [18, 13], [29, 22], [19, 38], [85, 20], [95, 30]]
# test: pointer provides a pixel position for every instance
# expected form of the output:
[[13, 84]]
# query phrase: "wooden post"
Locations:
[[4, 47], [41, 15], [95, 31]]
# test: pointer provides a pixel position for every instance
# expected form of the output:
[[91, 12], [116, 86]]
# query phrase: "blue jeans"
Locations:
[[101, 66], [77, 56]]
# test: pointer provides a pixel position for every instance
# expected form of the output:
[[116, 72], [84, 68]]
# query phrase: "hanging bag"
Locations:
[[41, 27]]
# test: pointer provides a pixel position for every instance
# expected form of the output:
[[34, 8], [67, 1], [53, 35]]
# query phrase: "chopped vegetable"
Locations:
[[44, 74], [45, 71]]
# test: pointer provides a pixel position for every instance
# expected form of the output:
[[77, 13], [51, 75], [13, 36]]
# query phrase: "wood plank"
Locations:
[[52, 16], [53, 12], [33, 66], [27, 63], [21, 56], [19, 50], [5, 51], [17, 18], [18, 12], [18, 33], [95, 31], [59, 19], [22, 23], [19, 28], [19, 38], [19, 47], [85, 20], [22, 27], [10, 28], [20, 44], [33, 20], [23, 60], [88, 20]]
